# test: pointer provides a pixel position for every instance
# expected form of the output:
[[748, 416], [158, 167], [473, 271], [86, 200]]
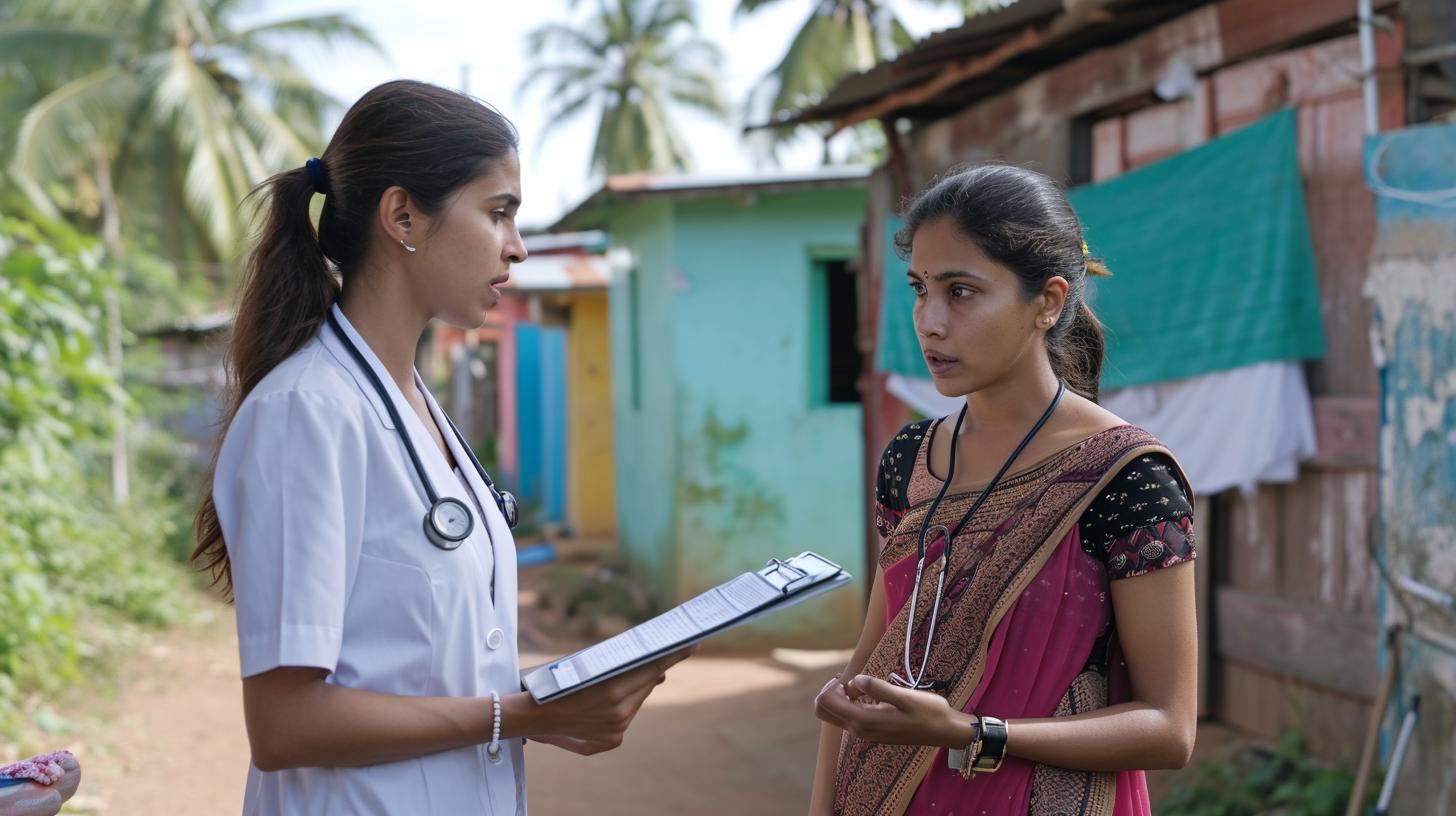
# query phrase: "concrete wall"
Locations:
[[724, 458], [643, 401], [1411, 274], [765, 468]]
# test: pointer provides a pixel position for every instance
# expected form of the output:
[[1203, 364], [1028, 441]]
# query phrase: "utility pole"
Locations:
[[111, 231]]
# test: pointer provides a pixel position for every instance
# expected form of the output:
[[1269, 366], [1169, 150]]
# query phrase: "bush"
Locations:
[[1284, 781], [67, 553]]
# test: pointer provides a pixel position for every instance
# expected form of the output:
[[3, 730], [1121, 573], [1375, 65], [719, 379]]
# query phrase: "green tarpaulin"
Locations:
[[1212, 263]]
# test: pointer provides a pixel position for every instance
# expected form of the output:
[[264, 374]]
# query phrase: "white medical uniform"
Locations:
[[323, 516]]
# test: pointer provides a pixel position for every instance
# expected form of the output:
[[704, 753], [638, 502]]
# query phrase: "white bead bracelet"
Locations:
[[493, 750]]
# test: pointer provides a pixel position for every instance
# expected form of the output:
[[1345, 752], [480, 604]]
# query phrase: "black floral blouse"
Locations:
[[1142, 521]]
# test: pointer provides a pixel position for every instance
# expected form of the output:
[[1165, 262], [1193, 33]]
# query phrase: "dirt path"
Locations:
[[724, 735], [169, 739], [715, 738]]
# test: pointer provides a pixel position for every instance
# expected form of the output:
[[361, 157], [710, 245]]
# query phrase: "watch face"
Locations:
[[451, 519]]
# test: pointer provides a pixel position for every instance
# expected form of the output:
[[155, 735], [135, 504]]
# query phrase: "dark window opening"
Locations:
[[1079, 166], [842, 324]]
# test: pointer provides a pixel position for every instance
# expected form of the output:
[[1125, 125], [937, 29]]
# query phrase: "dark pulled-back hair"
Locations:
[[1022, 220], [428, 140]]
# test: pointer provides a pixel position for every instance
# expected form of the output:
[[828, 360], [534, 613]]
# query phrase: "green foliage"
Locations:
[[190, 108], [839, 38], [1284, 781], [636, 61], [70, 561]]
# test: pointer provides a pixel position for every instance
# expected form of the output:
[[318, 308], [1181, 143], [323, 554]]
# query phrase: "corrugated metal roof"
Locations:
[[590, 240], [990, 53], [559, 273], [649, 185]]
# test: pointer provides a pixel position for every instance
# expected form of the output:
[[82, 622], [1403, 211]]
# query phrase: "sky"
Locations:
[[482, 45]]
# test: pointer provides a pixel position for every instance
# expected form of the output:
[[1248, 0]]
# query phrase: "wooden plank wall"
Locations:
[[1293, 625], [1294, 636]]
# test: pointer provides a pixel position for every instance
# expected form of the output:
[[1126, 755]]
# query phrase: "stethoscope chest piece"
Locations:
[[448, 523], [510, 509]]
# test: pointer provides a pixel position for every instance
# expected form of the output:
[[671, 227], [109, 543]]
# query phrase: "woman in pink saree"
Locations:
[[1030, 644]]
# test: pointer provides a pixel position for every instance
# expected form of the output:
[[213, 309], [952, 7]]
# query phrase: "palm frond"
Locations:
[[746, 7], [278, 143], [821, 53], [699, 92], [564, 113], [331, 30], [666, 15], [37, 46], [562, 37], [839, 37], [215, 179], [59, 132], [637, 60], [563, 75], [701, 52]]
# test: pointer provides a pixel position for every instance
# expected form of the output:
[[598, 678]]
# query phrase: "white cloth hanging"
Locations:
[[1238, 428]]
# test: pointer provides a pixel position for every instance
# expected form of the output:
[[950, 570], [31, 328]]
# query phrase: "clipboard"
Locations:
[[777, 586]]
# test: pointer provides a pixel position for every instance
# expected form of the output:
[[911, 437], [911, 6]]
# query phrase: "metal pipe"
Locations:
[[1427, 592], [1402, 744], [1367, 66], [1377, 716]]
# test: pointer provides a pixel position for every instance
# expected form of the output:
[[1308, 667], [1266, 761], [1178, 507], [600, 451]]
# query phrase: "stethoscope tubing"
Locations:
[[431, 494], [914, 679]]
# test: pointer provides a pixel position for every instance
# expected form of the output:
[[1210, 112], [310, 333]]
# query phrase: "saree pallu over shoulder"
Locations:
[[997, 555]]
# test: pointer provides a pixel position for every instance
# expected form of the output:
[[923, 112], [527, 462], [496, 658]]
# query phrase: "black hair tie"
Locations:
[[315, 169]]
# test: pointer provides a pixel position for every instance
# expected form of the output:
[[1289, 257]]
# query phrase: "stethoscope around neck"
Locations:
[[449, 521], [915, 678]]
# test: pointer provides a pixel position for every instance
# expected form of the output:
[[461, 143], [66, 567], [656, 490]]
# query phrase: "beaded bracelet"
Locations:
[[964, 759], [493, 750]]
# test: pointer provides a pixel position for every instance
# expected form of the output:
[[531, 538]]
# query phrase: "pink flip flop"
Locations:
[[39, 785]]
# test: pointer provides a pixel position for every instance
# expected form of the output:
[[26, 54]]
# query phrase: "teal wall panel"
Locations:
[[729, 447]]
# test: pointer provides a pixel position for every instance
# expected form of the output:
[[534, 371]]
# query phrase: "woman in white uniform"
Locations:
[[368, 554]]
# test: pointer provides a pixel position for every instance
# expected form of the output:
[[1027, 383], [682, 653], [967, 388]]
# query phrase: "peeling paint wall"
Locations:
[[1413, 285]]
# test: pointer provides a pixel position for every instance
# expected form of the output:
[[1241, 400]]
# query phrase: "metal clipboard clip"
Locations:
[[779, 565]]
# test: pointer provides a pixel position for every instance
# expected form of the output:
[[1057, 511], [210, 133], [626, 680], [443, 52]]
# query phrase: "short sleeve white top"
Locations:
[[323, 515]]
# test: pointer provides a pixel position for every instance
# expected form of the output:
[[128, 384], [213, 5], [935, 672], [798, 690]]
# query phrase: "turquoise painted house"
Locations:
[[737, 421]]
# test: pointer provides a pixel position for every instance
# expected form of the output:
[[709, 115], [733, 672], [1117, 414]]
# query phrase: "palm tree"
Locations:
[[634, 60], [121, 93], [839, 38], [128, 92]]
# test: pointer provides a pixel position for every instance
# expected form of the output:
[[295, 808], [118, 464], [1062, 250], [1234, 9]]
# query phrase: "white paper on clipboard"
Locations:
[[752, 595]]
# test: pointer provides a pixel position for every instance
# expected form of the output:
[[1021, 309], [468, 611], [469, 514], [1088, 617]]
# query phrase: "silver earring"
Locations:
[[404, 223]]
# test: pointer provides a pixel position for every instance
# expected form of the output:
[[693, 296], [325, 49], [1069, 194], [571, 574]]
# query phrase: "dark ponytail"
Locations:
[[1077, 353], [1021, 219], [426, 139]]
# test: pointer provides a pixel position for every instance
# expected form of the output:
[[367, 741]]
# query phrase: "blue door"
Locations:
[[541, 395]]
